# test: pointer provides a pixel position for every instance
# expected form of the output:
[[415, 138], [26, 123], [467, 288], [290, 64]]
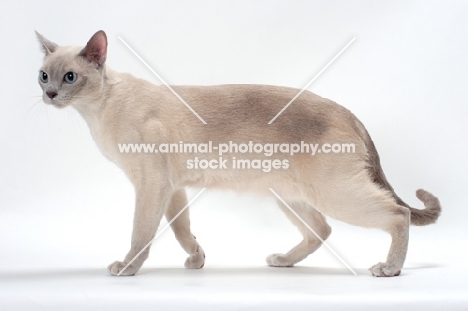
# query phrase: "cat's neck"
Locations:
[[91, 106]]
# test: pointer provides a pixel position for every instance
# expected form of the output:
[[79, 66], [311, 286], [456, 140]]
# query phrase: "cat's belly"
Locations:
[[246, 182]]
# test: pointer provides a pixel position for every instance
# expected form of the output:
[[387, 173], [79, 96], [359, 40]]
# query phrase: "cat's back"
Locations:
[[230, 108], [253, 101], [236, 100], [253, 106]]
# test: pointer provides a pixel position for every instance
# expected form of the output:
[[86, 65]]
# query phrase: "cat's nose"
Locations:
[[51, 94]]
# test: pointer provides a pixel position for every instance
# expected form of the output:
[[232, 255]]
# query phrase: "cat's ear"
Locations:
[[47, 46], [96, 49]]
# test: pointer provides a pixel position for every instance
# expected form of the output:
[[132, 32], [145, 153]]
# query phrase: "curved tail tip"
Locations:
[[424, 195], [431, 212]]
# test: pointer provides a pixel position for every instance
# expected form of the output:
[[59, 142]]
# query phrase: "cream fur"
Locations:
[[120, 108]]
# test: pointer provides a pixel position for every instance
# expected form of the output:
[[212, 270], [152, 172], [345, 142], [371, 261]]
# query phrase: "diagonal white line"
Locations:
[[313, 231], [162, 230], [161, 79], [313, 79]]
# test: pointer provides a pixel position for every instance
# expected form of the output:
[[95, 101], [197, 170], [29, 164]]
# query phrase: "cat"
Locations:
[[122, 109]]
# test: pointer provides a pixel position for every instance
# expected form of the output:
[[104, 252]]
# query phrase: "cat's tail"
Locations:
[[419, 217], [429, 215]]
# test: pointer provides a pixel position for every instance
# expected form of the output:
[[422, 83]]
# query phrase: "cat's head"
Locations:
[[71, 75]]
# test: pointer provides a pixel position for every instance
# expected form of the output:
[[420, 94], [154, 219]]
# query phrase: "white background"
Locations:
[[66, 212]]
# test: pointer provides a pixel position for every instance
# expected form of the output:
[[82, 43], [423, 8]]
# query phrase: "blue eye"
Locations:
[[70, 77], [44, 77]]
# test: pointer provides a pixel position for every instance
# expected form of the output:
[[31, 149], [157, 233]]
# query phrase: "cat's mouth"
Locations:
[[55, 102]]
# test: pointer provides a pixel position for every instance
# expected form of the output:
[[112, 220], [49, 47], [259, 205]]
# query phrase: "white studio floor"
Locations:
[[38, 272], [217, 288]]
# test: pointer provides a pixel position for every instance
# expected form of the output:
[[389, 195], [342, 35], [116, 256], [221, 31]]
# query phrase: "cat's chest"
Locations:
[[104, 139]]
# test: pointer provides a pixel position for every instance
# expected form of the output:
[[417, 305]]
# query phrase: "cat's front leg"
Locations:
[[181, 227], [151, 204]]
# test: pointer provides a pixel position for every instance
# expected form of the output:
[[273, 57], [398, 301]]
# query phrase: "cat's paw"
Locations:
[[196, 261], [116, 267], [279, 260], [384, 269]]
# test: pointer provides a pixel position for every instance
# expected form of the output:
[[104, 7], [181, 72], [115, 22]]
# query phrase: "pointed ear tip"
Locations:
[[100, 35], [103, 33]]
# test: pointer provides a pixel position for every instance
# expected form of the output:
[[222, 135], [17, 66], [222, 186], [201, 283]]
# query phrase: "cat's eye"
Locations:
[[70, 77], [44, 77]]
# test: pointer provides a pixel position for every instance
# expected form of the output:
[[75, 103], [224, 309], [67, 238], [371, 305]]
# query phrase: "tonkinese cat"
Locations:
[[233, 145]]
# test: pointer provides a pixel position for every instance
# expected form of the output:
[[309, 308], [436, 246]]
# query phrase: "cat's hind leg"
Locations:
[[181, 228], [360, 202], [316, 227]]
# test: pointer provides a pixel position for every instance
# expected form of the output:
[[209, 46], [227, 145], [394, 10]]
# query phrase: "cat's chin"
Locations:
[[56, 104]]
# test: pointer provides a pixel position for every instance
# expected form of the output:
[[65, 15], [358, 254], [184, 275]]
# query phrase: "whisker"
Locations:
[[31, 97], [36, 113], [75, 121], [35, 105]]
